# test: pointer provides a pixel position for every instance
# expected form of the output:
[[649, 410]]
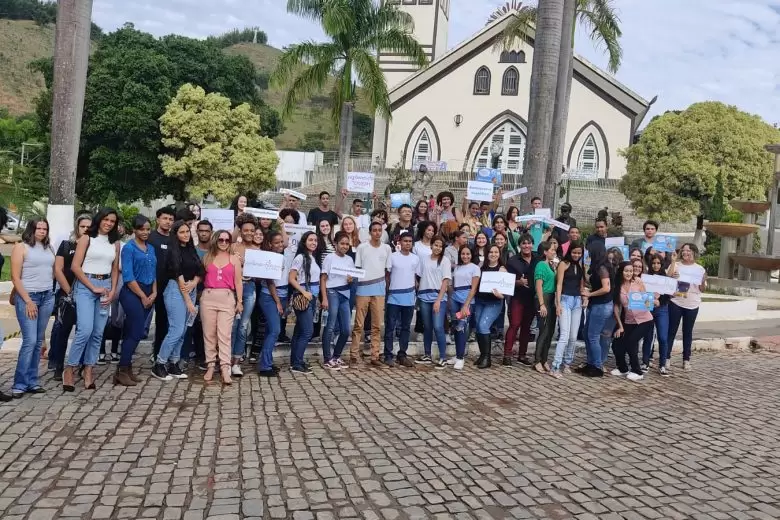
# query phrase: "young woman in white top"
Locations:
[[425, 233], [465, 280], [684, 305], [96, 268], [335, 300], [304, 278], [435, 274], [32, 271]]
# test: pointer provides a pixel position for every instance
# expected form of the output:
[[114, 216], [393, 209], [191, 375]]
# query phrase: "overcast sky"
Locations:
[[681, 50]]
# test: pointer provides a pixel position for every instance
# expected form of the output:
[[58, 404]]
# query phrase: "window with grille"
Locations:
[[512, 140], [482, 82], [589, 155], [509, 83], [422, 150], [512, 57]]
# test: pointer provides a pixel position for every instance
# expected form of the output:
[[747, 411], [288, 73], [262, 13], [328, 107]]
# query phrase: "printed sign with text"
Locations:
[[481, 191], [219, 218], [504, 282], [263, 264], [360, 182], [641, 301]]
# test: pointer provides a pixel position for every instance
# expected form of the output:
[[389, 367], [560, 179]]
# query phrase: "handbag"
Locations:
[[299, 302]]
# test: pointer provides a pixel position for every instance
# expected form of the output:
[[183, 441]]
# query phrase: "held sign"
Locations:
[[360, 182], [482, 191], [504, 282], [219, 218], [263, 264], [356, 273]]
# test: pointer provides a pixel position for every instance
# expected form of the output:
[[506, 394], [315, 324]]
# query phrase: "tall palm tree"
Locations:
[[357, 30]]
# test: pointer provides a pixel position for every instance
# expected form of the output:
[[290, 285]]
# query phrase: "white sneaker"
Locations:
[[687, 366], [459, 364], [236, 371], [451, 361], [634, 377], [663, 371], [617, 373]]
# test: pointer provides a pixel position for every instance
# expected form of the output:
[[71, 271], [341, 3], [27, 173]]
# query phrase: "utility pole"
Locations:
[[71, 57]]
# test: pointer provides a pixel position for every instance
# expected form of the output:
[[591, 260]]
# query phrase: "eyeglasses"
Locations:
[[223, 240]]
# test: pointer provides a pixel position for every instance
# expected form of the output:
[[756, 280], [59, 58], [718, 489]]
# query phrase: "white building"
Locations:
[[475, 95]]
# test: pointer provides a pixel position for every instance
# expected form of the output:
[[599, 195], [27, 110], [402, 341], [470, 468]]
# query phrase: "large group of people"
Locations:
[[429, 265]]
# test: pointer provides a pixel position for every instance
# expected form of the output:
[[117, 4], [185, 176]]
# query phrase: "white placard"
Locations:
[[614, 242], [482, 191], [263, 213], [263, 264], [659, 284], [544, 212], [296, 194], [690, 274], [557, 223], [298, 228], [510, 194], [354, 273], [504, 282], [219, 218], [360, 182], [526, 218]]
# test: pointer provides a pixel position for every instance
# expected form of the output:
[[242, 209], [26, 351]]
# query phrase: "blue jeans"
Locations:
[[338, 312], [273, 327], [486, 313], [460, 328], [170, 349], [599, 332], [569, 324], [661, 320], [304, 328], [241, 325], [33, 331], [135, 322], [91, 318], [398, 316], [433, 323], [688, 318]]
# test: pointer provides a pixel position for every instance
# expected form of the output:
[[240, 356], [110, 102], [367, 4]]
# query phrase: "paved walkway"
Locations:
[[401, 444]]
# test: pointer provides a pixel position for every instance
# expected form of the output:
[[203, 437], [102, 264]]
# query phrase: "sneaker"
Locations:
[[102, 359], [331, 365], [525, 360], [663, 371], [267, 373], [57, 375], [507, 362], [424, 360], [459, 364], [203, 366], [341, 364], [450, 341], [115, 358], [174, 370], [644, 367], [284, 338], [301, 370], [634, 376], [617, 373], [451, 361], [158, 371], [687, 366], [253, 358], [236, 371], [440, 364], [406, 362], [390, 363]]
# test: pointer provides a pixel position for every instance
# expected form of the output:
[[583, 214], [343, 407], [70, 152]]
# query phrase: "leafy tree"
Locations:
[[673, 170], [246, 35], [356, 30], [214, 148], [312, 141]]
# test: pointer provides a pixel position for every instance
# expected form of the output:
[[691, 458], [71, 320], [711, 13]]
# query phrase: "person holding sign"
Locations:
[[465, 279], [220, 302], [632, 324], [434, 273], [488, 306], [544, 281], [684, 305], [536, 228], [304, 277], [655, 264], [272, 298], [335, 300], [400, 300]]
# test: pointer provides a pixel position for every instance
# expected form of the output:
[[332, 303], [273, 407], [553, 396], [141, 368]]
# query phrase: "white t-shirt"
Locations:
[[462, 278], [362, 221], [421, 250], [337, 281], [403, 269], [690, 298], [432, 274], [283, 282], [314, 284], [376, 262]]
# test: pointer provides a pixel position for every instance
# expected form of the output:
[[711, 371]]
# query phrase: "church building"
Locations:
[[469, 107]]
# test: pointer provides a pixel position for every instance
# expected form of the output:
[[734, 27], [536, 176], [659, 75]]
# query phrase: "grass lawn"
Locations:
[[5, 276]]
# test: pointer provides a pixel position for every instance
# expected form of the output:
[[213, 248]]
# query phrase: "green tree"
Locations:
[[214, 148], [673, 170], [356, 30]]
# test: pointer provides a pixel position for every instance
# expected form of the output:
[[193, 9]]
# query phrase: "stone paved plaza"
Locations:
[[401, 443]]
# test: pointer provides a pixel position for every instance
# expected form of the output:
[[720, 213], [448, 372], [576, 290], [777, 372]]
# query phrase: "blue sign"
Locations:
[[492, 175], [641, 301], [397, 199], [664, 243]]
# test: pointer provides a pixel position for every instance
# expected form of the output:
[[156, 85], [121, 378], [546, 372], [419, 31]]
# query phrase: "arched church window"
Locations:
[[589, 155], [482, 82], [510, 82]]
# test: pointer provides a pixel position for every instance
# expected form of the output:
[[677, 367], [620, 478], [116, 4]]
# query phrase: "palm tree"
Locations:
[[356, 29], [600, 18]]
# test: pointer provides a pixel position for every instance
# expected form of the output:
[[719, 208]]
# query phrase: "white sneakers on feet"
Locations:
[[634, 377], [617, 373], [687, 366], [459, 363], [236, 371], [451, 361]]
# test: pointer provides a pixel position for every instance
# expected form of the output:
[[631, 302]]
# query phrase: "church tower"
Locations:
[[431, 22]]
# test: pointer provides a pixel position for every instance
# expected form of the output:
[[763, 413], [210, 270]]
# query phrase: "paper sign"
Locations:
[[614, 242], [659, 284], [296, 194], [514, 193], [641, 301], [397, 199], [482, 191], [586, 259], [263, 213], [491, 175], [343, 271], [504, 282], [690, 274], [219, 218], [526, 218], [263, 264], [298, 228], [360, 182], [557, 223], [665, 243], [626, 253], [544, 212]]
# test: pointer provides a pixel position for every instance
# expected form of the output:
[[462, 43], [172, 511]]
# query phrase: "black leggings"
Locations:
[[628, 343]]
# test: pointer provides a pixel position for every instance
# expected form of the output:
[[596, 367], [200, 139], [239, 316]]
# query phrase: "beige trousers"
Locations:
[[363, 305], [217, 313]]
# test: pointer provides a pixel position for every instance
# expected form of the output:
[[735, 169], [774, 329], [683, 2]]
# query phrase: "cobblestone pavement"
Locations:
[[401, 443]]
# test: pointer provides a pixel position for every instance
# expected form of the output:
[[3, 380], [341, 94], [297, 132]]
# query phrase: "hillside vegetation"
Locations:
[[21, 42]]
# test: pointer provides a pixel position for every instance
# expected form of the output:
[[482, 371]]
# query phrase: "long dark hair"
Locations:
[[649, 263], [177, 251], [28, 237], [568, 259], [307, 256], [618, 282], [94, 229], [475, 249], [486, 263], [443, 245], [416, 211], [422, 226], [460, 251]]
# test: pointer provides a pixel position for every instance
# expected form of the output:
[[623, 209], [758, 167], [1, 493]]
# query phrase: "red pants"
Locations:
[[520, 317]]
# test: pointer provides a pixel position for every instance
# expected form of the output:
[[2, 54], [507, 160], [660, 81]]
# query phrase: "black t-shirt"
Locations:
[[67, 251], [160, 243], [394, 236], [190, 265], [598, 273], [520, 267], [317, 215]]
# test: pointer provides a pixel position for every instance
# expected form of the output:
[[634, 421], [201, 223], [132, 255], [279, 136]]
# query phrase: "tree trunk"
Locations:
[[562, 97], [544, 75], [345, 143], [71, 56]]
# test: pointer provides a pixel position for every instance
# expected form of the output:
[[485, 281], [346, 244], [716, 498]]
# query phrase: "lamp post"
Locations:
[[770, 221]]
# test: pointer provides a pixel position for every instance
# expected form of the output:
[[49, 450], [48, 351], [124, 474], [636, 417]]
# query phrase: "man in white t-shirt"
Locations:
[[400, 300], [374, 258]]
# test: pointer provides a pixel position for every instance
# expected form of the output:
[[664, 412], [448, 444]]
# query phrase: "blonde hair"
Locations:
[[354, 237]]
